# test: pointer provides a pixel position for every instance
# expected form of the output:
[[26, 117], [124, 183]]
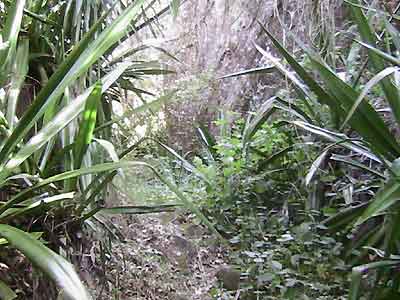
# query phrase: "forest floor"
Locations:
[[164, 256]]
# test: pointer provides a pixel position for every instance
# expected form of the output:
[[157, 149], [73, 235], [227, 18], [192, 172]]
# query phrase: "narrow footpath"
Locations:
[[164, 256]]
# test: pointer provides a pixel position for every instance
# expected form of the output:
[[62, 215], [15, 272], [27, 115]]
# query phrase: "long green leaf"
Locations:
[[270, 159], [373, 10], [344, 217], [185, 164], [6, 293], [386, 197], [356, 164], [207, 140], [393, 33], [153, 105], [87, 125], [52, 264], [10, 35], [359, 271], [78, 62], [20, 69], [111, 167], [109, 147], [366, 121], [295, 110], [262, 114], [338, 138], [97, 185], [369, 37], [138, 209], [32, 114], [61, 120], [52, 200], [323, 96], [175, 7], [316, 166], [384, 55], [370, 84]]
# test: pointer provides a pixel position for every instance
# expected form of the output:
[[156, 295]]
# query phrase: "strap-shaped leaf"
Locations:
[[61, 120], [6, 293], [359, 271], [323, 96], [83, 56], [10, 35], [87, 125], [370, 84], [261, 116], [366, 121], [36, 205], [207, 140], [111, 167], [338, 138], [185, 164], [20, 69], [49, 262], [175, 7], [386, 197], [261, 70], [369, 37], [387, 57]]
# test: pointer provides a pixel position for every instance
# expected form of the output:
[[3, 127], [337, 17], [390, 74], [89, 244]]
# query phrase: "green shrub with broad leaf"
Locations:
[[249, 164]]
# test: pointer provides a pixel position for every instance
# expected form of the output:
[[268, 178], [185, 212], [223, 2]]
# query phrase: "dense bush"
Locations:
[[59, 79]]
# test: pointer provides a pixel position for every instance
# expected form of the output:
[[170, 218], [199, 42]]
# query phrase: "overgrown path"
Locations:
[[164, 256]]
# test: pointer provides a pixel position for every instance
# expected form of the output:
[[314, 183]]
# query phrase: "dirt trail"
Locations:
[[164, 256]]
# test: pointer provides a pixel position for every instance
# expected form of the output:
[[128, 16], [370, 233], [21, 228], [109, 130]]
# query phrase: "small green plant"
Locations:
[[283, 262]]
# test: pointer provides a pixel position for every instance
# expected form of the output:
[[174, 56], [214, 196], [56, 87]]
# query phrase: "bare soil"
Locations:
[[163, 256]]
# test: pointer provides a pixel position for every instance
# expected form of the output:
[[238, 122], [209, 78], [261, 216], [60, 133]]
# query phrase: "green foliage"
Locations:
[[239, 168], [303, 190], [374, 143], [255, 203], [55, 266], [287, 263], [56, 64], [331, 155]]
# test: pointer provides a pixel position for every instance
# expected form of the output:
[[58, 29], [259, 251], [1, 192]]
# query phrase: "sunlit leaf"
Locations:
[[369, 36], [62, 119], [19, 69], [316, 166], [10, 33], [6, 293], [87, 125], [370, 84], [52, 264], [84, 55]]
